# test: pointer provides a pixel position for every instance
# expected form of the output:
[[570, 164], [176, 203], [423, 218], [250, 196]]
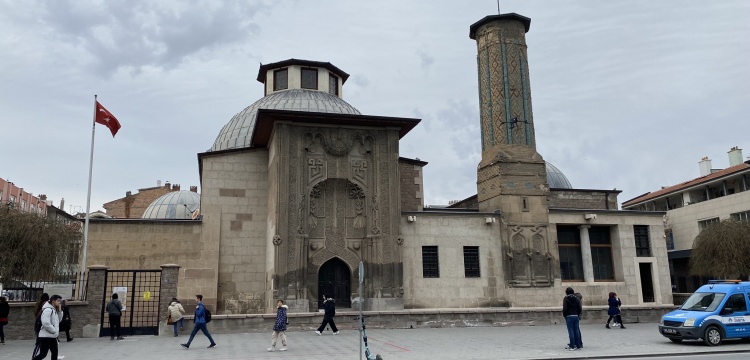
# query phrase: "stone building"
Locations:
[[299, 187]]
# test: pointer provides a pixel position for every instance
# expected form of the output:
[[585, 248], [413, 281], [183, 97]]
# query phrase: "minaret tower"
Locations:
[[512, 176]]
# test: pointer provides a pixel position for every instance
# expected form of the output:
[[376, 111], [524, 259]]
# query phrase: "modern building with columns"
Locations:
[[300, 187]]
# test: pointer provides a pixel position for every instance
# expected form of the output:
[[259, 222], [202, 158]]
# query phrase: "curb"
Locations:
[[650, 355]]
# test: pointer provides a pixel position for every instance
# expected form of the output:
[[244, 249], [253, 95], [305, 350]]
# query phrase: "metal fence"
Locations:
[[67, 285]]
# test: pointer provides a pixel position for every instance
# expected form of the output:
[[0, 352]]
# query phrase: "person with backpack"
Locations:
[[202, 317], [50, 317], [279, 327], [114, 310], [330, 311], [38, 320], [175, 312], [614, 310], [65, 322]]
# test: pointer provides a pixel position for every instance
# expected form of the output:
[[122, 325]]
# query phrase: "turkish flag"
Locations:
[[104, 117]]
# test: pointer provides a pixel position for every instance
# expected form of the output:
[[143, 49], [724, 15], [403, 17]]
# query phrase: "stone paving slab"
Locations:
[[515, 342]]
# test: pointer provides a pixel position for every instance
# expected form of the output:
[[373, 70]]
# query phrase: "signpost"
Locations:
[[361, 298]]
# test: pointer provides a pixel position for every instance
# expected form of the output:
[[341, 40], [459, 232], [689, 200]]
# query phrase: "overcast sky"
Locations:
[[626, 94]]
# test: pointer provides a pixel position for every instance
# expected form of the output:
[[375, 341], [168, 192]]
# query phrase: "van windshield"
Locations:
[[703, 301]]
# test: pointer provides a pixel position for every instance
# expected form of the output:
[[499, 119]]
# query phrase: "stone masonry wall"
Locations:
[[85, 315], [582, 199], [412, 198], [235, 184]]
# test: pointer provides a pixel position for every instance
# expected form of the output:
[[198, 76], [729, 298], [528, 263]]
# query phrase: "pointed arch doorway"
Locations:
[[334, 281]]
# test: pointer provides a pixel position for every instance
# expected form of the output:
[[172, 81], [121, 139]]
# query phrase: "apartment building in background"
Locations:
[[691, 206]]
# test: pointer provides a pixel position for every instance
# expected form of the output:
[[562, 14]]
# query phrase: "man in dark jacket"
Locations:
[[114, 310], [572, 310], [330, 311]]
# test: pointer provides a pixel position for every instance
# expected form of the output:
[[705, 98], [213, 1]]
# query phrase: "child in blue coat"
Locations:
[[279, 327]]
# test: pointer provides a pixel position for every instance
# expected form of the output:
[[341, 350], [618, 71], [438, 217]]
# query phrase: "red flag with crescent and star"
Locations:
[[104, 117]]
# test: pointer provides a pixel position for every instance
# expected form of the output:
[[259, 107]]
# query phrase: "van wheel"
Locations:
[[712, 337], [675, 340]]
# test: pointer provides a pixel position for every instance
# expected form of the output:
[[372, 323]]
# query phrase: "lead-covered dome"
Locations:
[[174, 205], [238, 131], [555, 178]]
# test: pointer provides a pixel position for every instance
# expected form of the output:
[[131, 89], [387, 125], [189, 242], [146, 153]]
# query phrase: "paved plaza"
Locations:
[[517, 342]]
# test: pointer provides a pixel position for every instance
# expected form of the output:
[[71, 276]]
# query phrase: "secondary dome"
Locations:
[[174, 205], [238, 131], [556, 179]]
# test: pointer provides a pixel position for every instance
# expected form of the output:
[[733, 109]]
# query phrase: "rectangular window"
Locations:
[[569, 247], [430, 266], [310, 78], [702, 224], [471, 261], [741, 216], [601, 253], [333, 84], [280, 79], [642, 240], [524, 203]]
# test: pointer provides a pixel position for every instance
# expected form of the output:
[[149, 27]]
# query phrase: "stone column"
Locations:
[[588, 265], [95, 296], [169, 275]]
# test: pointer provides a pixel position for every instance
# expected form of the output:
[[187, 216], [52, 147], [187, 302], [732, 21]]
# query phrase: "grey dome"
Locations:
[[556, 179], [238, 131], [173, 205]]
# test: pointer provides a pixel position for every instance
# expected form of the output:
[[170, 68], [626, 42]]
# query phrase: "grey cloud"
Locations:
[[426, 60], [123, 35]]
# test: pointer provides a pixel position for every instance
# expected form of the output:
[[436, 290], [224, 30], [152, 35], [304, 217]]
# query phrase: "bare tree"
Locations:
[[722, 250], [33, 247]]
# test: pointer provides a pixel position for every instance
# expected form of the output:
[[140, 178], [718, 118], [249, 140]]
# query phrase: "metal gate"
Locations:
[[138, 290]]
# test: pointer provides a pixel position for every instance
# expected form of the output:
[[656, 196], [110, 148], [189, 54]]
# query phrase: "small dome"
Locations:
[[174, 205], [237, 132], [556, 179]]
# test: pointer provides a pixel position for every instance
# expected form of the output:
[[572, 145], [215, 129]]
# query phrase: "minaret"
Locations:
[[511, 176]]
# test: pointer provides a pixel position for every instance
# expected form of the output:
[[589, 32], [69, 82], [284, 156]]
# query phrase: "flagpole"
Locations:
[[88, 208]]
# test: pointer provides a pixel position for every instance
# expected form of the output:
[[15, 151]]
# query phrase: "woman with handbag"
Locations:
[[176, 312]]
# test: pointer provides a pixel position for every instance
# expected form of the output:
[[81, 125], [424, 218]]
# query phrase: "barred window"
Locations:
[[310, 78], [471, 261], [642, 240], [430, 266], [280, 79], [741, 216], [601, 253], [569, 247], [333, 84]]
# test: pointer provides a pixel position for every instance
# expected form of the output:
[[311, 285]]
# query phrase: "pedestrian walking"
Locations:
[[614, 310], [38, 320], [114, 310], [572, 310], [51, 315], [201, 318], [66, 323], [330, 311], [4, 312], [176, 312], [279, 327]]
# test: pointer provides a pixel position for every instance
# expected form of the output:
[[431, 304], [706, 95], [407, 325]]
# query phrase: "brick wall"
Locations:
[[132, 206]]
